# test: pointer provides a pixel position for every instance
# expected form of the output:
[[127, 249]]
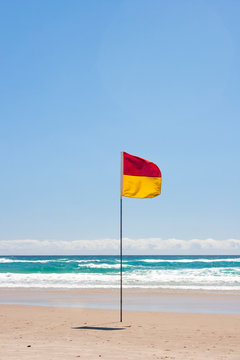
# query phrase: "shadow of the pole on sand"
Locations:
[[97, 328]]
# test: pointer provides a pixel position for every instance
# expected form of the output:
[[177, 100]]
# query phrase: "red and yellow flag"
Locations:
[[141, 178]]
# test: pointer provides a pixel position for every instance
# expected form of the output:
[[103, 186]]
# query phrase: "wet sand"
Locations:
[[133, 299]]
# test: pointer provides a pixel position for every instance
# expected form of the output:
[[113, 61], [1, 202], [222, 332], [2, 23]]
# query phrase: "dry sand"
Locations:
[[49, 333]]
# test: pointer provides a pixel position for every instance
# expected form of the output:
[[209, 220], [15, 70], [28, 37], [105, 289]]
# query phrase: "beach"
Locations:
[[152, 300], [119, 186], [60, 332], [67, 307], [41, 332]]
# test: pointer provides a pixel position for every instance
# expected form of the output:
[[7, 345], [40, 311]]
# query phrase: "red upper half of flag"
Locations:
[[136, 166]]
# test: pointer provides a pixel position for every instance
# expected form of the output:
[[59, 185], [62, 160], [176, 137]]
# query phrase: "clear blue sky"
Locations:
[[82, 81]]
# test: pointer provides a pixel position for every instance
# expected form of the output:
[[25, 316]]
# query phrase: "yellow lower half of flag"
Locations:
[[141, 186]]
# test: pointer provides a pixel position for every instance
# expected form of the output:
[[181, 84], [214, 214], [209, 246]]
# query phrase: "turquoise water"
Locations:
[[162, 272]]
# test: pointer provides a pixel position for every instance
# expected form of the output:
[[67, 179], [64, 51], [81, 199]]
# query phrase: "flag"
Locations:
[[140, 178]]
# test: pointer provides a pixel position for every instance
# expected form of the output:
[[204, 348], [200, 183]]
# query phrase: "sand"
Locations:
[[49, 333], [133, 299]]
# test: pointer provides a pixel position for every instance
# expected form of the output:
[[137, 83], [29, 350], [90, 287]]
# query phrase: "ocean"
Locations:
[[221, 273]]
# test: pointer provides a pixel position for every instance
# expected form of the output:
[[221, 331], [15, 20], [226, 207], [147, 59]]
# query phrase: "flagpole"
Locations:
[[121, 185]]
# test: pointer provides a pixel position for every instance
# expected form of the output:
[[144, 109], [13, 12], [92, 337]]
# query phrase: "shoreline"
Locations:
[[149, 300]]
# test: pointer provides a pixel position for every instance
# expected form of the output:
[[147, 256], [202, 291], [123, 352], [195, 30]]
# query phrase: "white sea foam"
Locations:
[[5, 261], [116, 261], [56, 280], [208, 279], [190, 260], [83, 261], [102, 266], [44, 261]]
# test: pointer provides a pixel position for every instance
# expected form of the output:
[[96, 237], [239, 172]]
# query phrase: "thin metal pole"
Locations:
[[121, 259], [121, 186]]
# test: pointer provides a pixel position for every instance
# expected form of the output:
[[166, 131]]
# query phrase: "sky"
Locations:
[[82, 81]]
